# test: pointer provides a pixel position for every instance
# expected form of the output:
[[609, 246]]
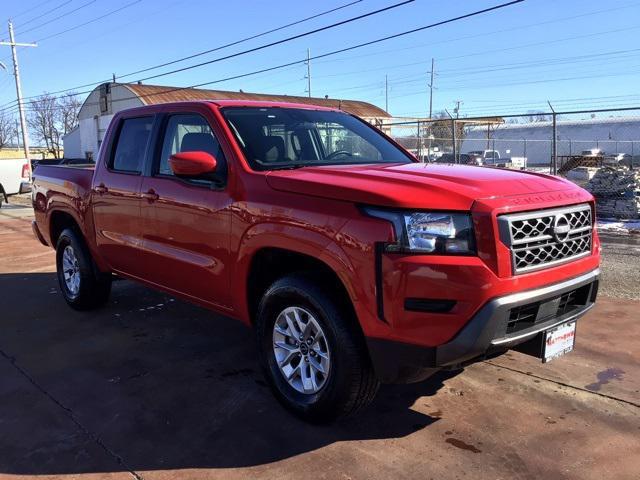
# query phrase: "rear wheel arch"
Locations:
[[58, 222]]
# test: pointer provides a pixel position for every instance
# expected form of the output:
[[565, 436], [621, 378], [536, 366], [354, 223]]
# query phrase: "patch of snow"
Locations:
[[619, 226]]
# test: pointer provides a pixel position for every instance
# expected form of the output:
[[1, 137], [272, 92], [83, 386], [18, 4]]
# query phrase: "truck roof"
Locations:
[[266, 103], [230, 103]]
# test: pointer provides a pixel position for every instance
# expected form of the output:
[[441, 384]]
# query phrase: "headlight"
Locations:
[[429, 232]]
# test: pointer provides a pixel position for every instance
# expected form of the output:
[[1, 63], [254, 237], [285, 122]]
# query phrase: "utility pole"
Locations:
[[457, 109], [386, 93], [431, 90], [16, 73], [309, 71]]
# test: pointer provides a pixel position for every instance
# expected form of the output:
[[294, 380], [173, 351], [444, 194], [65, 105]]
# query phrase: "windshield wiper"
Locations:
[[291, 166]]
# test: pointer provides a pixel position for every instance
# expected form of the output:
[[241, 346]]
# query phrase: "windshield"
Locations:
[[274, 138]]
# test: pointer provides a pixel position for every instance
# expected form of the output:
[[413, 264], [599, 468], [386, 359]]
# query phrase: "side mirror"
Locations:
[[192, 164]]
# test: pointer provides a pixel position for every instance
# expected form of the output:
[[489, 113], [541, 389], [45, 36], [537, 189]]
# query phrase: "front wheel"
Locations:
[[83, 286], [312, 353]]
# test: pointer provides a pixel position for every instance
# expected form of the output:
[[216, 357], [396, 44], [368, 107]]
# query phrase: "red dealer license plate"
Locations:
[[559, 341]]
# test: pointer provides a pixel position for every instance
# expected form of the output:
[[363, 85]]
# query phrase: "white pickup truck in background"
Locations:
[[14, 178], [493, 158]]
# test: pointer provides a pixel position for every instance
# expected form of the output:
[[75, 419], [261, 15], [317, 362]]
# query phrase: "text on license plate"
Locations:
[[559, 341]]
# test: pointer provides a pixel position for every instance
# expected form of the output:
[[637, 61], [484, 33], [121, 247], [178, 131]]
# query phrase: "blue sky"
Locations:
[[577, 53]]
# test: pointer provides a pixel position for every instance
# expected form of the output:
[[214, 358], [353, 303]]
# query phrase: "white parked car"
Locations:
[[14, 177]]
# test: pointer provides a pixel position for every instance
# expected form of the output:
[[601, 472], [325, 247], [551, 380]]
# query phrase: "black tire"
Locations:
[[351, 383], [94, 286]]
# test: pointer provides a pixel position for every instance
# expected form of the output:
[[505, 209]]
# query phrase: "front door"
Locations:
[[187, 223], [116, 196]]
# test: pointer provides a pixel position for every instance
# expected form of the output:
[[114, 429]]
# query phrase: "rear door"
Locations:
[[187, 223], [116, 195]]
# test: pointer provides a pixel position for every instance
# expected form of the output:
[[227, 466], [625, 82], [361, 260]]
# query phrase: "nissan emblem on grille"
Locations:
[[545, 238], [561, 228]]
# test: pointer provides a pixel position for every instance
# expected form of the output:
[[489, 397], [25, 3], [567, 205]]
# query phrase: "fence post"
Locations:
[[554, 146], [524, 153], [419, 144], [453, 129]]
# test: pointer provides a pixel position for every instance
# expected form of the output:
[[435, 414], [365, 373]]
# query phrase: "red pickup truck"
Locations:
[[355, 264]]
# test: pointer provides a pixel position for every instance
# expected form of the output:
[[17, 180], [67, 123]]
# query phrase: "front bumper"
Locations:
[[493, 329]]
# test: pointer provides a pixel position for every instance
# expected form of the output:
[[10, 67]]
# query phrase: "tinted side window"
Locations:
[[129, 152], [188, 133]]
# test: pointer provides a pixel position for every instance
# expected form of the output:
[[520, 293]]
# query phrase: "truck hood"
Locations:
[[415, 185]]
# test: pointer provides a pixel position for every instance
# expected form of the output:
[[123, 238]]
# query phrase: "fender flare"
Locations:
[[295, 239]]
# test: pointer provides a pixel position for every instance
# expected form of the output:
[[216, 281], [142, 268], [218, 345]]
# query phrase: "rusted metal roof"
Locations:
[[152, 94]]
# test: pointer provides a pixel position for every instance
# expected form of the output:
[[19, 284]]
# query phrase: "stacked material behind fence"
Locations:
[[617, 192]]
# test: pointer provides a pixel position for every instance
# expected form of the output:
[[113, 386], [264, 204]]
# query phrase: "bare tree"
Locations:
[[51, 118], [44, 124], [69, 105], [7, 130], [442, 131]]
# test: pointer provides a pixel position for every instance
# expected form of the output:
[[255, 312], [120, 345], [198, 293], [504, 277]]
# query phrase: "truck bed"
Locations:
[[69, 181]]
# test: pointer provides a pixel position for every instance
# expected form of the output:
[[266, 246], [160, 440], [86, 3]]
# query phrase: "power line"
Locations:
[[419, 77], [284, 40], [236, 42], [334, 52], [496, 85], [58, 17], [495, 32], [88, 22], [467, 71], [31, 9], [47, 12], [242, 40], [544, 62]]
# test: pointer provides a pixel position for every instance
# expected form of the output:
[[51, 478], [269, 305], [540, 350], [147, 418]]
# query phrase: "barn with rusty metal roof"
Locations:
[[108, 99]]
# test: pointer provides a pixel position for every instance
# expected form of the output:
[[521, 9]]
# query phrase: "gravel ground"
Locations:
[[621, 266]]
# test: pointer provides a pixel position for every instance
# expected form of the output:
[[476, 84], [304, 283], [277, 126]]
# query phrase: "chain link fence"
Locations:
[[599, 150]]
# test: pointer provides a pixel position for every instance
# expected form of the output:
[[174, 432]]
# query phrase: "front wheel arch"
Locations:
[[270, 264]]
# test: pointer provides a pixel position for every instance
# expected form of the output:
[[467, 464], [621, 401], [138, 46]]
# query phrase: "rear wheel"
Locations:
[[311, 352], [82, 285]]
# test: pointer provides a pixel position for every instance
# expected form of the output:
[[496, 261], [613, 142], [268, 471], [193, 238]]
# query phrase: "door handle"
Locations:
[[151, 195], [101, 189]]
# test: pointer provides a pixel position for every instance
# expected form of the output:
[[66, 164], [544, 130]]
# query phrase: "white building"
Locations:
[[109, 98], [534, 140]]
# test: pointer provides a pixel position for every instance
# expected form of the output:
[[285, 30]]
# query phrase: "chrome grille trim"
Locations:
[[535, 245]]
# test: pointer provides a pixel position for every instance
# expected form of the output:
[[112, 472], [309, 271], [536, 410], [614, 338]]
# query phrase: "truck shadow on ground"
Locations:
[[150, 383]]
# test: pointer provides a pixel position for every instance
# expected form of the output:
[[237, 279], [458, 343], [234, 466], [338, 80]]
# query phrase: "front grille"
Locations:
[[547, 237], [526, 316]]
